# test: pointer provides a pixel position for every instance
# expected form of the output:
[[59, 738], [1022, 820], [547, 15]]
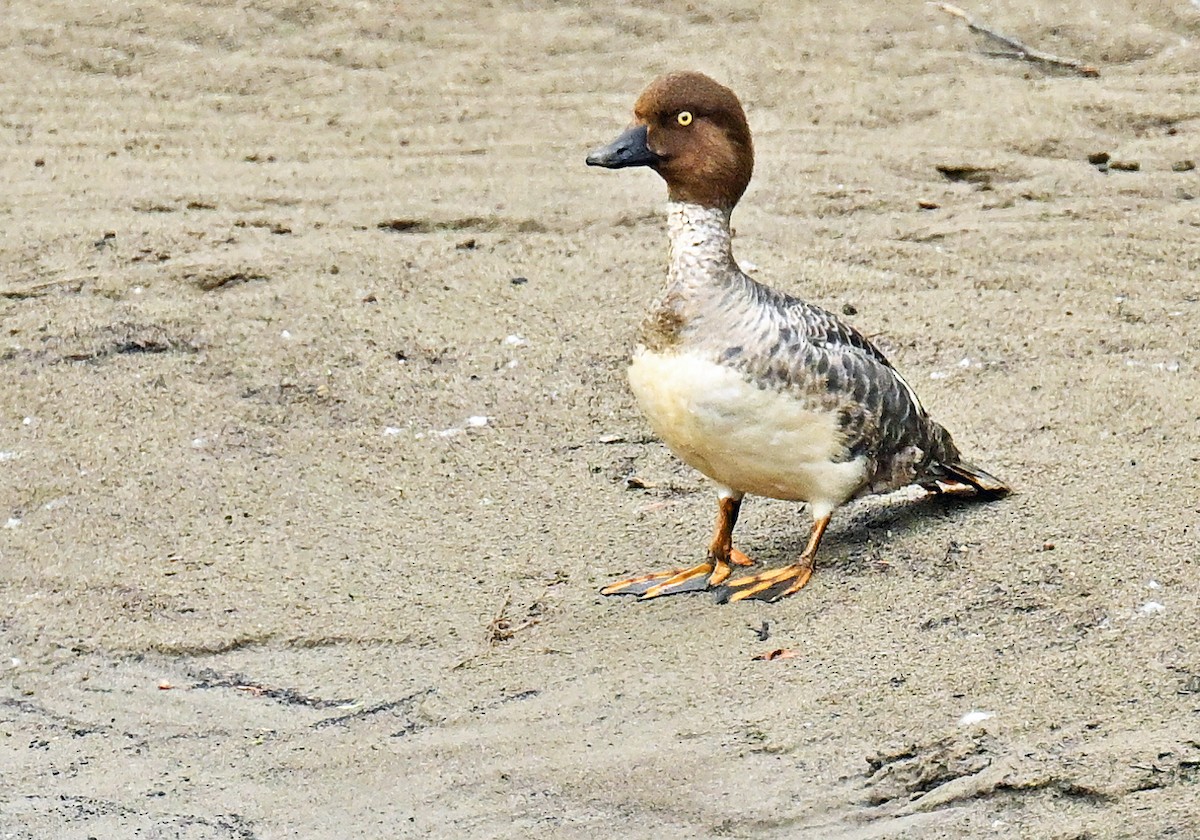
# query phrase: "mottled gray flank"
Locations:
[[777, 341]]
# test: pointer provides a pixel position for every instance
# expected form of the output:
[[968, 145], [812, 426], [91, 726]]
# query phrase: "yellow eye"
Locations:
[[684, 118]]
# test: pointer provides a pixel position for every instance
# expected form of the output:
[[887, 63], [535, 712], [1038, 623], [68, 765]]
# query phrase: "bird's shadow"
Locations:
[[863, 524]]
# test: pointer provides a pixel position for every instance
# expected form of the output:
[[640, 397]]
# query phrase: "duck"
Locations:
[[761, 392]]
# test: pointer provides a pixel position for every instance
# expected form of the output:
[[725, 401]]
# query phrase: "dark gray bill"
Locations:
[[630, 149]]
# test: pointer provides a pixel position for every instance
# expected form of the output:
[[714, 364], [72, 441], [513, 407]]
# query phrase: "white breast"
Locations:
[[756, 440]]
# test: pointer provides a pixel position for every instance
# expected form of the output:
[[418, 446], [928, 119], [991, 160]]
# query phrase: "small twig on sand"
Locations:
[[38, 289], [502, 628], [778, 653], [1015, 48], [763, 631]]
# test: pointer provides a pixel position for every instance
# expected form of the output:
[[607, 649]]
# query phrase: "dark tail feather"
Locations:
[[950, 473], [959, 473]]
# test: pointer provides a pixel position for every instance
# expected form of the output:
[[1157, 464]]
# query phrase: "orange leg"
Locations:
[[706, 575], [777, 583]]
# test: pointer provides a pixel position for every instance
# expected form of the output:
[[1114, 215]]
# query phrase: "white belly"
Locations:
[[750, 439]]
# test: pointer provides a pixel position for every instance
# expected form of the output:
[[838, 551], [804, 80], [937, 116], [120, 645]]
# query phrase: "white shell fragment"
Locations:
[[971, 718], [475, 421]]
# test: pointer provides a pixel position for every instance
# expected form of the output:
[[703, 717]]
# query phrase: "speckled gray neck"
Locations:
[[700, 243], [702, 274]]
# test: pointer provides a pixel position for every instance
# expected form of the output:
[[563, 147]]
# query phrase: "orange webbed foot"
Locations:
[[698, 578], [673, 582], [767, 586], [774, 584], [713, 572]]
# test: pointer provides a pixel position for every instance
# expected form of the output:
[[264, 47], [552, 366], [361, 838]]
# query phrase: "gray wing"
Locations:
[[880, 416]]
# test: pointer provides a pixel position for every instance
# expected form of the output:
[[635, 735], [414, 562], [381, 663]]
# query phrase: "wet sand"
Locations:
[[315, 443]]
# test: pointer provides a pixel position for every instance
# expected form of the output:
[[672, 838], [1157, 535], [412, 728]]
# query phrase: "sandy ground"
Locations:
[[261, 577]]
